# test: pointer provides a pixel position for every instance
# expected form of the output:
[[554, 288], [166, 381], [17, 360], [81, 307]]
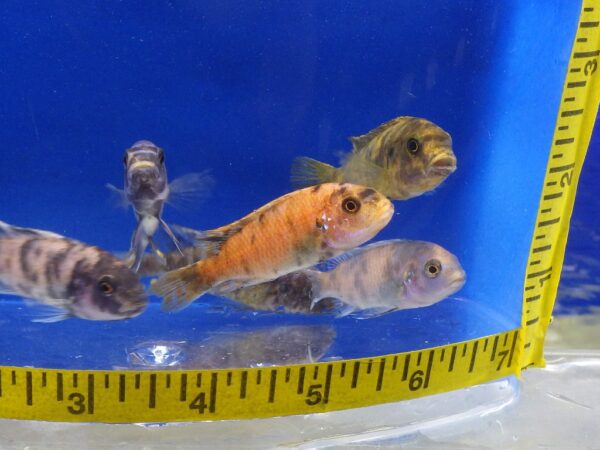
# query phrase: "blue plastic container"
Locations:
[[243, 88]]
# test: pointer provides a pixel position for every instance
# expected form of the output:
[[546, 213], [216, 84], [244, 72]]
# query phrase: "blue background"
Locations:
[[243, 87]]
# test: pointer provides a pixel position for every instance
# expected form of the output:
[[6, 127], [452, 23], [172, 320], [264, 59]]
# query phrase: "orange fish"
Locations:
[[292, 232]]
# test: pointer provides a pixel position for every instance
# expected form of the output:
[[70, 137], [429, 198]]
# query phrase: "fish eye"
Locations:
[[412, 145], [351, 205], [161, 157], [433, 268], [106, 286], [125, 159]]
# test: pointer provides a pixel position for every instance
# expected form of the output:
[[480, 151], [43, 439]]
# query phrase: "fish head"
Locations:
[[418, 155], [107, 290], [429, 273], [145, 170], [352, 215]]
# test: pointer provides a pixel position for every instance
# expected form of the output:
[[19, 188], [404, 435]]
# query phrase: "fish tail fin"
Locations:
[[180, 287], [308, 172]]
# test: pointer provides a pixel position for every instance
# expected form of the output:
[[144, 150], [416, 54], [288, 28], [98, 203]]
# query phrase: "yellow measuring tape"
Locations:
[[170, 396]]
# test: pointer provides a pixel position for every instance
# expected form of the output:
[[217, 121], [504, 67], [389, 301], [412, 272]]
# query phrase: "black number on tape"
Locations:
[[590, 67], [314, 395], [199, 403], [416, 380], [78, 406]]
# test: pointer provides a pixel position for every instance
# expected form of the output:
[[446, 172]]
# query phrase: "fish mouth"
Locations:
[[458, 282], [442, 165]]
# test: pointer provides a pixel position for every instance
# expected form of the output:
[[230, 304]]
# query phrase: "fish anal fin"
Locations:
[[308, 172]]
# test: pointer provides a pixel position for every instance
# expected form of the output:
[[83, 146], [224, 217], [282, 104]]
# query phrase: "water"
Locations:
[[241, 89]]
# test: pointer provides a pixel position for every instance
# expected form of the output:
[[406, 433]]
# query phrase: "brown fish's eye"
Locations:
[[106, 286], [351, 205], [412, 145], [433, 268]]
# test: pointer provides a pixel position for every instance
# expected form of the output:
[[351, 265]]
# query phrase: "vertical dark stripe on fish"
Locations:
[[26, 248], [360, 286], [53, 272]]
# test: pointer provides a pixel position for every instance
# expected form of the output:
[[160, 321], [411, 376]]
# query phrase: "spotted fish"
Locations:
[[402, 158], [75, 279], [292, 232], [147, 190]]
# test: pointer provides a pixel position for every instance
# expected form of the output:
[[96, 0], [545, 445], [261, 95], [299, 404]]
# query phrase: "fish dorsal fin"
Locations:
[[360, 142], [211, 241], [9, 230], [333, 263]]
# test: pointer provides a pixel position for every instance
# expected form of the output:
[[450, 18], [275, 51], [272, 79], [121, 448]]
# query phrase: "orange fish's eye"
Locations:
[[106, 286], [412, 145], [433, 268], [351, 205]]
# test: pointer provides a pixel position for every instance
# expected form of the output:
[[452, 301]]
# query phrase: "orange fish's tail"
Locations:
[[180, 287]]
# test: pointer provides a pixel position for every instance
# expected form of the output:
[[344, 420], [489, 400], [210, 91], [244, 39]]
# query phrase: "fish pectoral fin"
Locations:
[[189, 191], [330, 264], [42, 313], [357, 166], [309, 172], [118, 197], [179, 288]]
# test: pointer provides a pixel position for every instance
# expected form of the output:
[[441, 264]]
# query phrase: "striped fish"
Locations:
[[147, 190], [292, 232], [75, 279], [402, 158]]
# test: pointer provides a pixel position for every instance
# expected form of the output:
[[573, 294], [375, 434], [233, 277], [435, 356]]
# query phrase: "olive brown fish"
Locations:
[[402, 158]]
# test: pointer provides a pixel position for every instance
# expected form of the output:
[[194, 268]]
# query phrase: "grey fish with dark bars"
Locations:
[[72, 278]]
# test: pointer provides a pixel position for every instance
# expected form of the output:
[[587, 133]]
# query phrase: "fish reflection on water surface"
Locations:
[[273, 346]]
